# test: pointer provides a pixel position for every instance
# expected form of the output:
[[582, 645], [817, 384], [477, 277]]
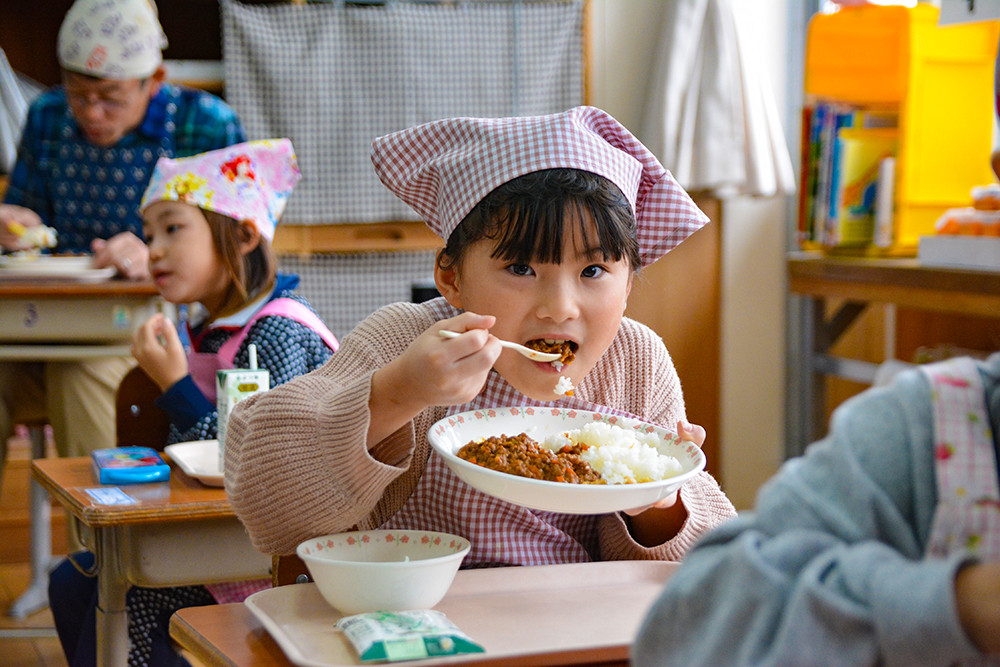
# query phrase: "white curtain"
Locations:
[[16, 93], [711, 116]]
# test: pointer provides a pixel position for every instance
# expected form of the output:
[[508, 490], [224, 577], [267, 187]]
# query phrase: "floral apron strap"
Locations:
[[967, 517]]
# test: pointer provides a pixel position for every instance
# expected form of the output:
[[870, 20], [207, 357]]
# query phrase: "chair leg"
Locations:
[[36, 597]]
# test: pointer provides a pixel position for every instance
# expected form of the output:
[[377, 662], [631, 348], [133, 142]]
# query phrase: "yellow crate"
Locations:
[[938, 78]]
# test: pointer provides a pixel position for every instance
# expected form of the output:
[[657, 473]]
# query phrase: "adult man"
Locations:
[[86, 153]]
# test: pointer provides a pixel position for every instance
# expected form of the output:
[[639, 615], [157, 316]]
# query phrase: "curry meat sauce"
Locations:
[[564, 349], [520, 455]]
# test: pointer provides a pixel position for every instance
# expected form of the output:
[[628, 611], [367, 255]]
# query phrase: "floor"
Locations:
[[40, 647]]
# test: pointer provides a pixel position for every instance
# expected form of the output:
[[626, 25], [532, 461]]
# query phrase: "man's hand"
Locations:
[[13, 221], [126, 252]]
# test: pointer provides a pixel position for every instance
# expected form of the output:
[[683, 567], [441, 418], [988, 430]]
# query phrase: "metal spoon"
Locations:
[[534, 355]]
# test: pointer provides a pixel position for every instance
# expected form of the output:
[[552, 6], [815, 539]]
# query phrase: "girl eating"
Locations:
[[208, 222], [546, 220]]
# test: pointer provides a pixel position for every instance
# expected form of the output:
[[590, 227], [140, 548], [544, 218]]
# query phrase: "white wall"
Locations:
[[623, 47]]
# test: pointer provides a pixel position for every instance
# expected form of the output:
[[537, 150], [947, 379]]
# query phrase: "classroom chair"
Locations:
[[288, 569], [138, 422]]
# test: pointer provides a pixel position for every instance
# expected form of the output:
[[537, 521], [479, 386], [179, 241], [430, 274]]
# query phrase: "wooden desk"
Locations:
[[814, 278], [58, 320], [149, 541], [64, 320], [573, 614]]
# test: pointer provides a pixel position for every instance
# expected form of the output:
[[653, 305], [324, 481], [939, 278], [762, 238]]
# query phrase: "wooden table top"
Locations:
[[226, 634], [72, 288], [904, 282], [571, 614], [182, 498]]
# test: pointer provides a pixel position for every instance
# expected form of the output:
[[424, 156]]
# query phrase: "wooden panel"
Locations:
[[864, 340], [678, 297], [916, 329], [29, 31], [67, 479], [304, 240]]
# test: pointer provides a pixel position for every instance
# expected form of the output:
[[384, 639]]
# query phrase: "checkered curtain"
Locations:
[[332, 76], [346, 288]]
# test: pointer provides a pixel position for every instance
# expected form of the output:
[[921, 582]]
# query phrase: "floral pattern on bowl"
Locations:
[[400, 538]]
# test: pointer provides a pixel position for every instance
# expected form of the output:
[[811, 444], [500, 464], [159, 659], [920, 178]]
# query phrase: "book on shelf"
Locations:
[[843, 163], [858, 155]]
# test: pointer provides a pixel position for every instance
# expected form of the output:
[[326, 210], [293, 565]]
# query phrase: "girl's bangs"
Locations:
[[526, 234]]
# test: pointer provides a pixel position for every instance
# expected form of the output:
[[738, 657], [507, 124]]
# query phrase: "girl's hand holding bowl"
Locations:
[[685, 431]]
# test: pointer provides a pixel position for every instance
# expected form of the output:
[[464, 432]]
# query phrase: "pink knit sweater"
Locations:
[[297, 465]]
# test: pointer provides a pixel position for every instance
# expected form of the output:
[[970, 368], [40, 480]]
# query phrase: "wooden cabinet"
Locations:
[[679, 298]]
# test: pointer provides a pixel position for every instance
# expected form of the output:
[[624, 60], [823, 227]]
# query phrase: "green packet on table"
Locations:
[[391, 636]]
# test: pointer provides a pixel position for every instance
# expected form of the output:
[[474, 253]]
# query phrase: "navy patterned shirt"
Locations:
[[285, 347], [87, 192]]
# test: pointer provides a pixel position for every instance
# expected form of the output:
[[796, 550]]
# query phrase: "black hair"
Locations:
[[525, 217]]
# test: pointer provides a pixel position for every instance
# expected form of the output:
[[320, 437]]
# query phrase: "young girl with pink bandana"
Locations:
[[208, 221], [546, 219]]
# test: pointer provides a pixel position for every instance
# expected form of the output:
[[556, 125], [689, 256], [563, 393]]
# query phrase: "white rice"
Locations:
[[621, 456], [564, 387]]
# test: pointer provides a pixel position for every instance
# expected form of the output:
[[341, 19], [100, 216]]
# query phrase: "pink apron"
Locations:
[[501, 533], [203, 365], [967, 517]]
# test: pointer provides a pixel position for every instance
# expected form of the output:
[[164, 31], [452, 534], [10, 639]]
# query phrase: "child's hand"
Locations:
[[661, 521], [977, 597], [126, 252], [450, 372], [158, 350], [433, 371], [691, 432]]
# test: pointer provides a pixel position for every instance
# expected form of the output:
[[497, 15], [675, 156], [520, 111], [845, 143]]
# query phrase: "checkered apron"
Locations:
[[967, 517], [501, 533]]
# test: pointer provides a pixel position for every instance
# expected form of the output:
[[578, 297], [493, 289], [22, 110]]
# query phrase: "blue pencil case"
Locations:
[[129, 465]]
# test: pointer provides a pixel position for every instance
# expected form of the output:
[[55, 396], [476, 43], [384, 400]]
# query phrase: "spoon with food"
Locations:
[[534, 355]]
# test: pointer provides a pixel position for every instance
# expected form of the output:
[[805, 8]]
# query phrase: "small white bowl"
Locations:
[[383, 570]]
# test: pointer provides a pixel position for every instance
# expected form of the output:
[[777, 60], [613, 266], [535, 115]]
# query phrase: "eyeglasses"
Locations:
[[109, 104]]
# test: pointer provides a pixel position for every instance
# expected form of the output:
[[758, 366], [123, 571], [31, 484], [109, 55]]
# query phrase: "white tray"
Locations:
[[581, 613], [47, 267], [199, 459]]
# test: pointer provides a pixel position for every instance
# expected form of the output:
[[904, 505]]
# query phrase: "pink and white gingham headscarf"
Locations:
[[111, 39], [248, 181], [442, 169]]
